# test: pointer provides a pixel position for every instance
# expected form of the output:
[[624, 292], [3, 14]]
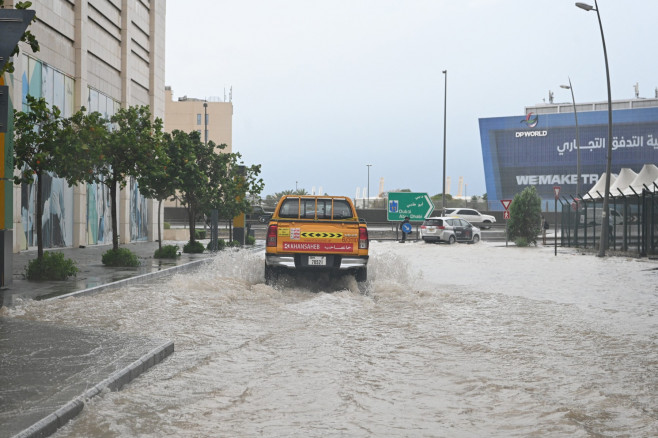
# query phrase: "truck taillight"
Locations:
[[363, 238], [271, 235]]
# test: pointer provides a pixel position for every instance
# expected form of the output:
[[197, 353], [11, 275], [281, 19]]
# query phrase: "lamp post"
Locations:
[[575, 114], [368, 204], [445, 107], [205, 123], [605, 223]]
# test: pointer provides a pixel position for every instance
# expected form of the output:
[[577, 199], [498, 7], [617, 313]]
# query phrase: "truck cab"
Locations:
[[321, 233]]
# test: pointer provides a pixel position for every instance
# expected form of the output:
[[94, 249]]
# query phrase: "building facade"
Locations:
[[103, 55], [212, 119], [540, 148]]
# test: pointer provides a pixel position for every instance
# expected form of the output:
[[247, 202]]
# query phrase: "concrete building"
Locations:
[[212, 118], [540, 147], [187, 114], [104, 55]]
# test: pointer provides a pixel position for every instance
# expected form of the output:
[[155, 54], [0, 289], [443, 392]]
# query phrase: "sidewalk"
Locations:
[[47, 371], [92, 271]]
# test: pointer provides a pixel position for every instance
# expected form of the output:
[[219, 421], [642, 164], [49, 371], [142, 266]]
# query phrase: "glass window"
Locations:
[[307, 209], [342, 209], [198, 119], [289, 208], [324, 208]]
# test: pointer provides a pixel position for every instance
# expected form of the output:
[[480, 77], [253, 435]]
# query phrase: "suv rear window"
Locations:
[[434, 222]]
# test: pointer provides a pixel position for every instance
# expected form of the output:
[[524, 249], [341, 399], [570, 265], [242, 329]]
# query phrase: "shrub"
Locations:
[[120, 257], [233, 244], [193, 247], [521, 241], [166, 252], [251, 240], [220, 245], [199, 234], [166, 225], [53, 266], [525, 216]]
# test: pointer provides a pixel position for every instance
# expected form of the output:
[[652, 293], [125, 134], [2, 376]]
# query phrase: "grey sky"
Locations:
[[320, 89]]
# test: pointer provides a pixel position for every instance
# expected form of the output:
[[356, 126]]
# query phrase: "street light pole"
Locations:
[[445, 107], [368, 204], [605, 223], [575, 114], [205, 123]]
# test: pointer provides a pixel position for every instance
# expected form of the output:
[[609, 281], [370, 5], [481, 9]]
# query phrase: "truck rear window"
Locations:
[[312, 208], [289, 208]]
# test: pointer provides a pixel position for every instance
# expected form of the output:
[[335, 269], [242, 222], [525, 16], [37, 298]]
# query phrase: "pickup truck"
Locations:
[[316, 233]]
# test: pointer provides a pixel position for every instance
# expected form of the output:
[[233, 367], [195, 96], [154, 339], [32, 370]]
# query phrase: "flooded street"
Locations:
[[445, 341]]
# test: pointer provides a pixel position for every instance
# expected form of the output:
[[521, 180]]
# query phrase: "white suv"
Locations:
[[473, 216], [449, 229]]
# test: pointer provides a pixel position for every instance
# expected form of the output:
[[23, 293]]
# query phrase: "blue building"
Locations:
[[539, 148]]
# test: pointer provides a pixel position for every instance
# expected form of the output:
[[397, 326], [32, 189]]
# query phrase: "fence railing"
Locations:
[[633, 222]]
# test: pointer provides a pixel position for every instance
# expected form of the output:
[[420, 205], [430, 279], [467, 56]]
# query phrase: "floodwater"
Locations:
[[445, 341]]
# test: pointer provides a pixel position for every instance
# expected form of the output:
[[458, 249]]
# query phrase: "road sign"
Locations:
[[556, 189], [506, 203], [506, 214], [415, 206]]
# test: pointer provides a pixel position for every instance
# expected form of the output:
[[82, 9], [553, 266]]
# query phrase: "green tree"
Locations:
[[155, 181], [27, 37], [525, 216], [234, 185], [272, 200], [127, 150], [191, 163], [37, 135], [45, 142]]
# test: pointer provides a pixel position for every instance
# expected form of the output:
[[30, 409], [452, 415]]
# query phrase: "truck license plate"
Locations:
[[317, 260]]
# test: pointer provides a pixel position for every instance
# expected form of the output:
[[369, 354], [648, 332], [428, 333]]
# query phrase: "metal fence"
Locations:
[[633, 223]]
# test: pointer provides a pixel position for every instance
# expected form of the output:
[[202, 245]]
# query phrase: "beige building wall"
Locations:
[[187, 115], [111, 48]]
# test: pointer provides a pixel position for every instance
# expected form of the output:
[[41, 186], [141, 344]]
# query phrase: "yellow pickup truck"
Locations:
[[320, 233]]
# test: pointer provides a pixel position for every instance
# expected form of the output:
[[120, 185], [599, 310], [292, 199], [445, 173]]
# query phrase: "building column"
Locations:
[[80, 98], [123, 215], [126, 84], [80, 215]]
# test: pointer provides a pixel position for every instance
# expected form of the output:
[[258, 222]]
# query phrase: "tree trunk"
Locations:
[[159, 232], [191, 220], [39, 215], [115, 228]]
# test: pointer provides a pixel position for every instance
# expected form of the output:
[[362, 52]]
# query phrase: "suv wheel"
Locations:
[[451, 240]]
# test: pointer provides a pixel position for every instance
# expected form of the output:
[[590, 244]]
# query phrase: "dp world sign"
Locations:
[[415, 206]]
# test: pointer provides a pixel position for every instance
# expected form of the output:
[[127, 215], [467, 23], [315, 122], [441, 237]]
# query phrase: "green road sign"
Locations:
[[416, 206]]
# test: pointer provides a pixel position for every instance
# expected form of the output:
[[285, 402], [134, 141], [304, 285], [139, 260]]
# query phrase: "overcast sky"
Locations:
[[323, 88]]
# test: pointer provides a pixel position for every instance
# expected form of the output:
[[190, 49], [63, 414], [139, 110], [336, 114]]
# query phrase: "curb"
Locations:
[[135, 280], [50, 424]]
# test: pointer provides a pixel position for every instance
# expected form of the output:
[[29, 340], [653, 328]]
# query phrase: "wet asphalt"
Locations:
[[48, 371]]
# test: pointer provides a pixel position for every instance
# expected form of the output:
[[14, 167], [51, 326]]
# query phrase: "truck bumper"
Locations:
[[292, 261]]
